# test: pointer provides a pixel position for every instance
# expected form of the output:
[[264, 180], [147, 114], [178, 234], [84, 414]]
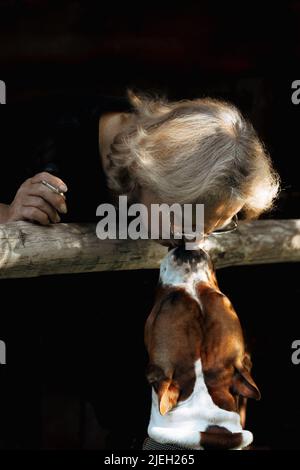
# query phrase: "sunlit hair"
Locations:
[[192, 151]]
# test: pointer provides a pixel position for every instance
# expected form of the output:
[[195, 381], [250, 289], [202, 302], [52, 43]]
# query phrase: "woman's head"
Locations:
[[193, 151]]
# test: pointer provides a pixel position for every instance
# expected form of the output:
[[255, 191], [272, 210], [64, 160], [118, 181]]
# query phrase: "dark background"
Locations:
[[72, 341]]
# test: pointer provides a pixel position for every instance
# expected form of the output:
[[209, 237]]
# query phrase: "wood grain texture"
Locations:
[[28, 250]]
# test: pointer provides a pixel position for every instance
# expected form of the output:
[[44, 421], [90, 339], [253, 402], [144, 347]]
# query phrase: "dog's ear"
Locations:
[[168, 394], [243, 384], [167, 389]]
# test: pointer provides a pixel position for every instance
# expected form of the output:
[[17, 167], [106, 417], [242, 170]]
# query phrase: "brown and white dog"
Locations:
[[198, 366]]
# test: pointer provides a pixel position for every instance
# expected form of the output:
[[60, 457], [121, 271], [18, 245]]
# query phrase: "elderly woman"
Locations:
[[154, 151]]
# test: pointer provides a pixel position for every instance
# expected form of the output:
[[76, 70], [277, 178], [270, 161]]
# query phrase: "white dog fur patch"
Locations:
[[183, 424]]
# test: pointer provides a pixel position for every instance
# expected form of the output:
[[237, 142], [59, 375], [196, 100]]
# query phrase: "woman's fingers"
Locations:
[[35, 187], [53, 180], [32, 214], [55, 200], [42, 205], [36, 202]]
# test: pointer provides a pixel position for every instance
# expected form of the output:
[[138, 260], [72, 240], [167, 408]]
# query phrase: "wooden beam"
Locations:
[[28, 250]]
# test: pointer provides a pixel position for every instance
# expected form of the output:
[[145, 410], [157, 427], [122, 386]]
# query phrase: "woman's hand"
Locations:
[[35, 202]]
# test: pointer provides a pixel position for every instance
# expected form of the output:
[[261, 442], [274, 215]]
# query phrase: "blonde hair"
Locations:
[[192, 151]]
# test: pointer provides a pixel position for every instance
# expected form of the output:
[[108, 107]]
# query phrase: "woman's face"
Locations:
[[217, 219], [221, 216]]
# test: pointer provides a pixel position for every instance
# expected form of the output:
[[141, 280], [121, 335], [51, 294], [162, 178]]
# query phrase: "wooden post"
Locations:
[[28, 250]]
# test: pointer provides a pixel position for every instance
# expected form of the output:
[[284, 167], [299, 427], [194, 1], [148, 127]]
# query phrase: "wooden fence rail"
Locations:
[[28, 250]]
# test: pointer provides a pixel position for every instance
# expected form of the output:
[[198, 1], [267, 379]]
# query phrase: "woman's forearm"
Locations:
[[4, 209]]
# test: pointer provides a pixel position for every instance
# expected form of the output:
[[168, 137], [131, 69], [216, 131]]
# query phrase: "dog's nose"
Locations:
[[193, 258]]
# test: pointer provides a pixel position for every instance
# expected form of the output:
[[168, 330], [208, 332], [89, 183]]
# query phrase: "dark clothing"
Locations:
[[79, 335], [74, 149], [70, 145]]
